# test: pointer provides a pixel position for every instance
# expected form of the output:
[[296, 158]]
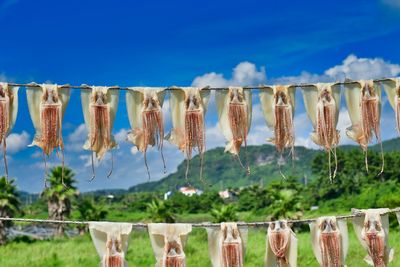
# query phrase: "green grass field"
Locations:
[[79, 251]]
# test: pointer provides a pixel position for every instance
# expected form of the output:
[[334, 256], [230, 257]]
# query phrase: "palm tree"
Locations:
[[225, 213], [9, 205], [160, 212], [59, 196], [89, 210], [286, 203]]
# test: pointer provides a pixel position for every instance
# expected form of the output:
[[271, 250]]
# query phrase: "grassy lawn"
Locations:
[[79, 251]]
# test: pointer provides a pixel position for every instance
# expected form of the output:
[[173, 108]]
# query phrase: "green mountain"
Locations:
[[222, 170]]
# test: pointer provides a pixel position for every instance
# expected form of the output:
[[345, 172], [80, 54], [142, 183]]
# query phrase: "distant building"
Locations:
[[224, 194], [167, 195], [190, 191], [187, 191]]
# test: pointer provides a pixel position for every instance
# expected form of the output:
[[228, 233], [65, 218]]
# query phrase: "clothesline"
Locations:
[[176, 87], [198, 225]]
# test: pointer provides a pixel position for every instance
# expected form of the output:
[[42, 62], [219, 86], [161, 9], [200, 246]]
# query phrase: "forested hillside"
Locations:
[[222, 170]]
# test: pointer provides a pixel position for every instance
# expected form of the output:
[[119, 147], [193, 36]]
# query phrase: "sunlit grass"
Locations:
[[79, 251]]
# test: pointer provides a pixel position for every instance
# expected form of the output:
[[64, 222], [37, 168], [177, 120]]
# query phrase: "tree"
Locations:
[[59, 196], [9, 205], [224, 213], [89, 211], [286, 204], [253, 198], [160, 211]]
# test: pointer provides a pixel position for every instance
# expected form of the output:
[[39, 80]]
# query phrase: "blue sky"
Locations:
[[163, 43]]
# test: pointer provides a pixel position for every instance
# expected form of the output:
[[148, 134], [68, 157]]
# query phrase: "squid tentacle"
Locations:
[[330, 249], [283, 128], [194, 138], [327, 135], [153, 129], [370, 121], [237, 115]]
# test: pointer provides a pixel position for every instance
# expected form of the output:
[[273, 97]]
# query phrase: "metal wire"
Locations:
[[355, 213], [87, 87]]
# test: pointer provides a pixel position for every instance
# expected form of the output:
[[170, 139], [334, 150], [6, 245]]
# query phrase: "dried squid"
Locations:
[[234, 111], [111, 242], [372, 231], [330, 241], [322, 103], [188, 108], [168, 242], [364, 105], [392, 89], [8, 116], [278, 106], [281, 246], [227, 245], [47, 104], [144, 107], [99, 107]]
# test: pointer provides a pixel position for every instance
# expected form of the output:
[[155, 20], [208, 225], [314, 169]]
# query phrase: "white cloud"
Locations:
[[352, 67], [393, 3], [37, 154], [343, 123], [306, 142], [134, 150], [76, 139], [214, 137], [79, 134], [304, 77], [17, 142], [121, 135], [363, 68], [211, 79], [245, 73]]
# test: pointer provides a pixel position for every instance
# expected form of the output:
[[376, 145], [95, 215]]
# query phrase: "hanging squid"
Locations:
[[99, 107], [188, 108], [281, 246], [234, 112], [364, 106], [168, 242], [330, 241], [322, 103], [278, 104], [47, 104], [227, 245], [372, 230], [144, 107], [8, 116], [392, 89], [111, 242]]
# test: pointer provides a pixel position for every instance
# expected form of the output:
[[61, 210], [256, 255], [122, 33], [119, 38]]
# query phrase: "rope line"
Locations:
[[356, 213], [87, 87]]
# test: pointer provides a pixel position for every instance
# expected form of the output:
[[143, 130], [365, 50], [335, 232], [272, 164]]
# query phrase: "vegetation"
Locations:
[[160, 211], [59, 196], [9, 205], [89, 210], [226, 213]]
